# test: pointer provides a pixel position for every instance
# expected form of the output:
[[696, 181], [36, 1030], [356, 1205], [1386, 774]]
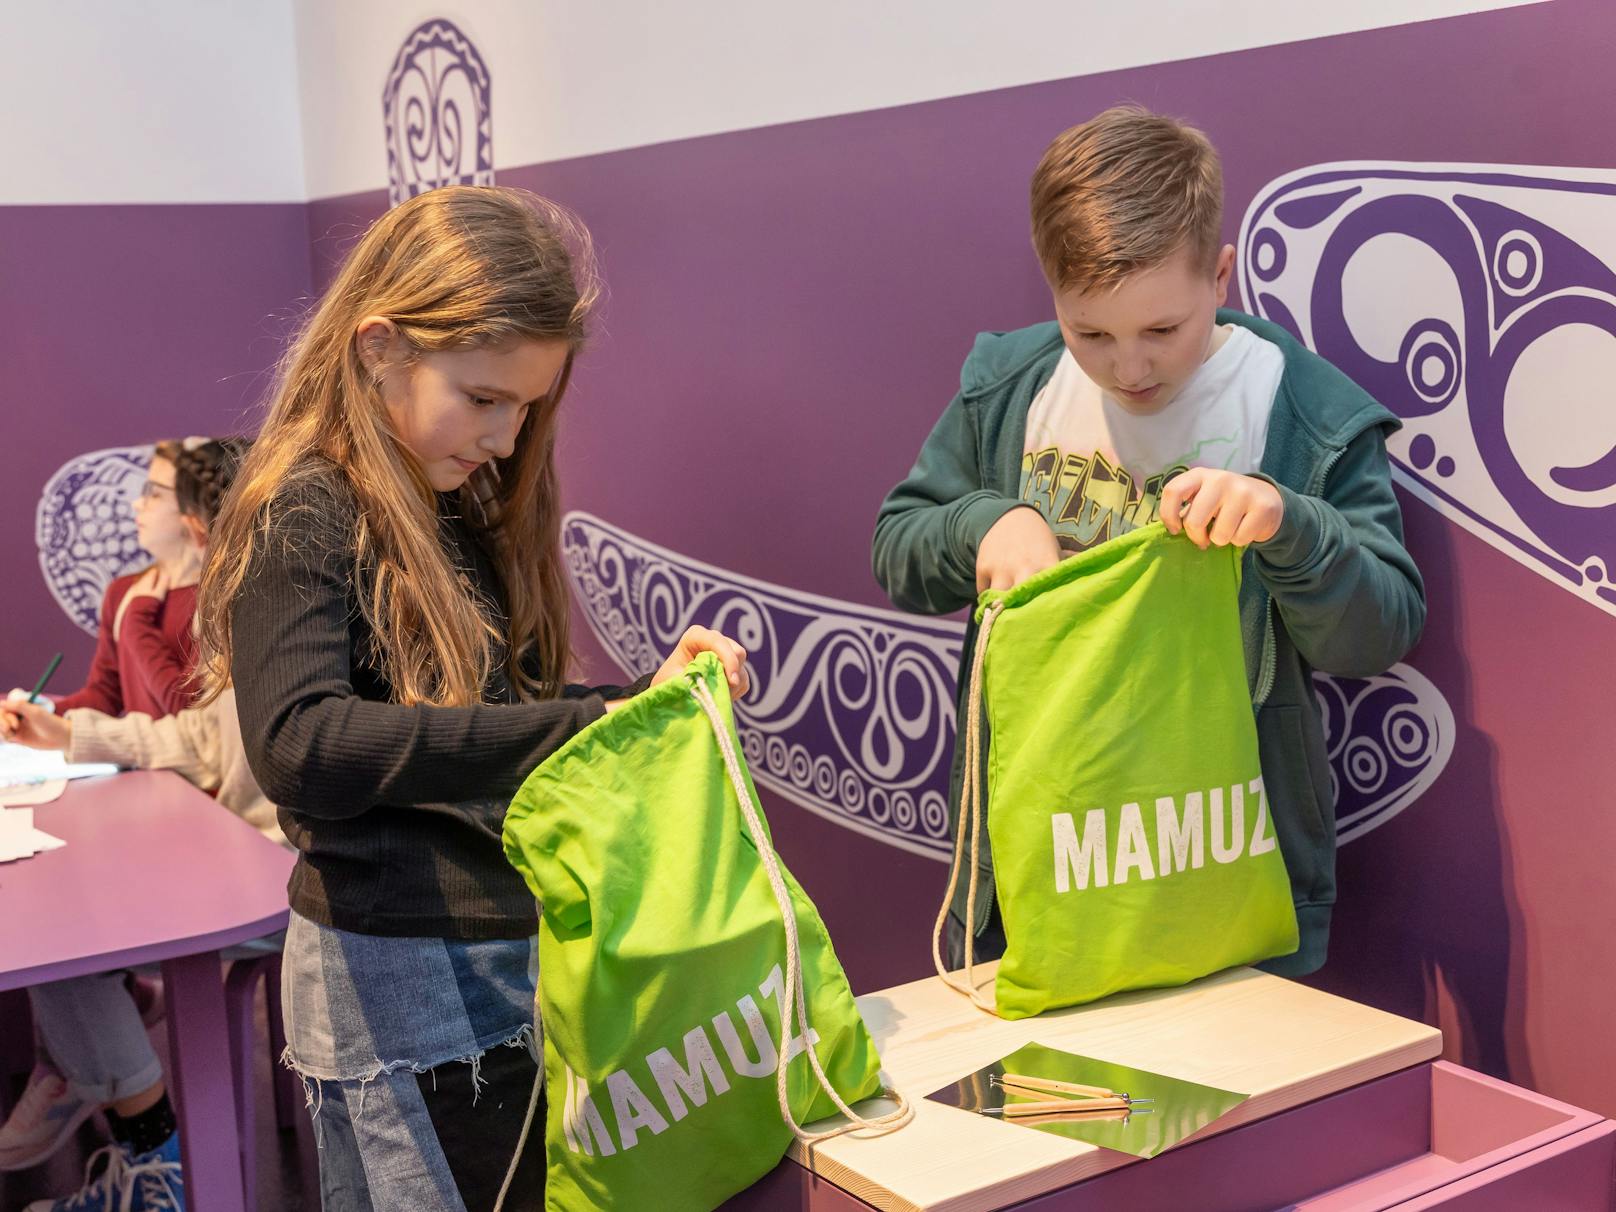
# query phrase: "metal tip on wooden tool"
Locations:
[[1076, 1111]]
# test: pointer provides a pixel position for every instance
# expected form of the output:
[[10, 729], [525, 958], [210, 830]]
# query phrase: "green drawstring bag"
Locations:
[[1132, 844], [671, 943]]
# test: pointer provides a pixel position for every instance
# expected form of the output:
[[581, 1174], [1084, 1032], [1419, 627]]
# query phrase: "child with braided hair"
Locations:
[[201, 743], [145, 650], [92, 1044]]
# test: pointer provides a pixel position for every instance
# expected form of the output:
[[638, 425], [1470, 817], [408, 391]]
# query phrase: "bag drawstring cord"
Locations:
[[794, 998], [970, 820]]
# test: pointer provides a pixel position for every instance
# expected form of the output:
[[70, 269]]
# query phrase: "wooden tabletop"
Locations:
[[1277, 1041]]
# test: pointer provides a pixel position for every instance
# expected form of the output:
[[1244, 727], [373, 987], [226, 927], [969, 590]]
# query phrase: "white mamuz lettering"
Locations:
[[681, 1086], [1181, 837]]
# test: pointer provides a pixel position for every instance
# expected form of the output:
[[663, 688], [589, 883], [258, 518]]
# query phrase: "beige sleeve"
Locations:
[[186, 743]]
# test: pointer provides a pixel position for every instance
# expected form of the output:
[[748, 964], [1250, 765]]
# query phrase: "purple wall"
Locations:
[[788, 310], [789, 307], [120, 325]]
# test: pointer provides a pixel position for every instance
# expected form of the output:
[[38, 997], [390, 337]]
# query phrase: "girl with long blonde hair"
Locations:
[[385, 591]]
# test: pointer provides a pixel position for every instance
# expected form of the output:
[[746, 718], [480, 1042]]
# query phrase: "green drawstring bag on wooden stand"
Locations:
[[1132, 845], [694, 1014]]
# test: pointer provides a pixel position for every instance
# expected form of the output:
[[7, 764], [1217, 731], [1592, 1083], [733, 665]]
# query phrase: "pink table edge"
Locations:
[[200, 1076]]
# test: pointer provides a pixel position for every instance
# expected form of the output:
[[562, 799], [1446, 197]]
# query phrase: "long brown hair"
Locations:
[[454, 268]]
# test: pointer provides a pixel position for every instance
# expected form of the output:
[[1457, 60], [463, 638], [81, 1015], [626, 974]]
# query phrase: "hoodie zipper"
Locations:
[[1270, 651]]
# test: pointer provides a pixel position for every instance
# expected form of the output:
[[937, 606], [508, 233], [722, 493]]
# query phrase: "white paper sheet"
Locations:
[[18, 837], [21, 766], [32, 793]]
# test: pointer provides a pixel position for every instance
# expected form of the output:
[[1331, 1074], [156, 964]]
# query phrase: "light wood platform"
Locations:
[[1280, 1042]]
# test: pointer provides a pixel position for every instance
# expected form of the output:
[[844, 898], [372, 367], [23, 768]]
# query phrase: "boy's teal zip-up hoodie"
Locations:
[[1334, 590]]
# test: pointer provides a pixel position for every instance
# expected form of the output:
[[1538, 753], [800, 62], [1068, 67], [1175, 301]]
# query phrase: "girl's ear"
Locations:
[[195, 529], [379, 342]]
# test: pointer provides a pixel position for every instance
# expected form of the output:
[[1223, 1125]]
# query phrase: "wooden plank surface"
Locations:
[[1280, 1042]]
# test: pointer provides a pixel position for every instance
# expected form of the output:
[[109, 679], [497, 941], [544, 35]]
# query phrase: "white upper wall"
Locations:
[[106, 101], [149, 101], [575, 77]]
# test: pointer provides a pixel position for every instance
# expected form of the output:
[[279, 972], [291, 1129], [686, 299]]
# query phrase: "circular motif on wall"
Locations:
[[85, 531], [436, 110]]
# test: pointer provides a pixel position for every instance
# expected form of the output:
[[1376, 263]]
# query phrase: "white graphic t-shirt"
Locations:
[[1096, 470]]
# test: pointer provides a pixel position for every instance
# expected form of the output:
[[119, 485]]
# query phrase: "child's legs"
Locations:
[[94, 1035], [432, 1140], [478, 1126], [416, 1140], [402, 1046], [344, 1186]]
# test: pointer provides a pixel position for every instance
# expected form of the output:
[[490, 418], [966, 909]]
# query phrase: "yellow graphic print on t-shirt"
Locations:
[[1087, 500]]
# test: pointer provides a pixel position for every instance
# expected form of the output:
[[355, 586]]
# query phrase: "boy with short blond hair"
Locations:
[[1145, 399]]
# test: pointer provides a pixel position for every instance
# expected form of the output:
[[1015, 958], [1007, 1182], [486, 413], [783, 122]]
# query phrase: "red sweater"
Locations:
[[148, 668]]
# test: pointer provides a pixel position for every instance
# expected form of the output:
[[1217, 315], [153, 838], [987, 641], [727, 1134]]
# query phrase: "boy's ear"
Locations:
[[1224, 271], [376, 338]]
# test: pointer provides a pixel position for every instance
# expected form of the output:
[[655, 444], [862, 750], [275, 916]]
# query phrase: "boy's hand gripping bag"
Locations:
[[1131, 839], [671, 940]]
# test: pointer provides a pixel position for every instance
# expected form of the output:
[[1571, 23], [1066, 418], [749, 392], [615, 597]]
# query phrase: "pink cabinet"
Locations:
[[1431, 1136]]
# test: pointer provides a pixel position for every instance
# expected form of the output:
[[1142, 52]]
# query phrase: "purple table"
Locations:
[[153, 872]]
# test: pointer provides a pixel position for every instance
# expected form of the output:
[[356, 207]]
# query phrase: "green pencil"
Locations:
[[45, 677]]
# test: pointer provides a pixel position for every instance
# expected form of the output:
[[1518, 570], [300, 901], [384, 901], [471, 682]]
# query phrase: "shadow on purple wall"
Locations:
[[1441, 933]]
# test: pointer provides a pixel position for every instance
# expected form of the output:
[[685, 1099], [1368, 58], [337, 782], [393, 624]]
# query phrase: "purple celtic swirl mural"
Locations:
[[85, 531], [1388, 738], [1478, 303], [851, 714], [436, 107]]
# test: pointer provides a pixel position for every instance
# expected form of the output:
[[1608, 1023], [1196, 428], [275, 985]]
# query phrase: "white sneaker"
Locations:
[[48, 1113]]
